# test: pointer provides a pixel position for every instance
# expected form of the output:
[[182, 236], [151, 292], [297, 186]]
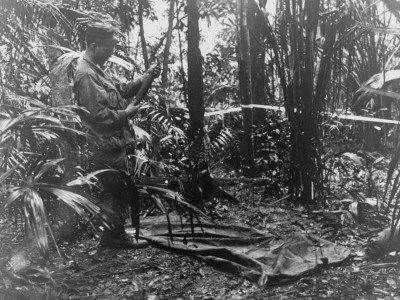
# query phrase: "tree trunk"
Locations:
[[197, 161], [142, 37], [245, 89], [258, 67], [182, 69], [164, 75], [195, 72], [304, 109]]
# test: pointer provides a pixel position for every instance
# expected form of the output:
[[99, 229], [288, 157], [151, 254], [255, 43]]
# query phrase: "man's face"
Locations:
[[103, 51]]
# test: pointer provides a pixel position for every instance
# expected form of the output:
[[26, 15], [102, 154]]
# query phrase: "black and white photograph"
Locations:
[[199, 149]]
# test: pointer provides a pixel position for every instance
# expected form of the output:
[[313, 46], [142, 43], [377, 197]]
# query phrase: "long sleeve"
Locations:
[[131, 89], [102, 104]]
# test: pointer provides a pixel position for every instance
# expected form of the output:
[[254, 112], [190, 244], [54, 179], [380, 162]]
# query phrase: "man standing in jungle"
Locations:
[[107, 119]]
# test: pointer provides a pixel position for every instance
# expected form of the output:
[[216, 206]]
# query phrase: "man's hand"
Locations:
[[155, 69], [132, 109]]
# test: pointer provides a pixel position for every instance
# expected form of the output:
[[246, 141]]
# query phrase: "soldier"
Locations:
[[107, 120]]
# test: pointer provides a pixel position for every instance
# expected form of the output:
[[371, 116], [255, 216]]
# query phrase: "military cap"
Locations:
[[100, 31]]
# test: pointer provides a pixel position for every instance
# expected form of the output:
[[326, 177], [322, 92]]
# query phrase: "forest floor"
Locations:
[[150, 273]]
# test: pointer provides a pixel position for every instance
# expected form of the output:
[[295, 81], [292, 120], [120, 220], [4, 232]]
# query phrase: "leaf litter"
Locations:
[[151, 273]]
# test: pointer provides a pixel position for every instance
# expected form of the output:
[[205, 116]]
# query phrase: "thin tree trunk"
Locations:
[[142, 37], [182, 70], [245, 89], [164, 75]]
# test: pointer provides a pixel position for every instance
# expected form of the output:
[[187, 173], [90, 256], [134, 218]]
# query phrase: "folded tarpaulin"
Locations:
[[255, 255]]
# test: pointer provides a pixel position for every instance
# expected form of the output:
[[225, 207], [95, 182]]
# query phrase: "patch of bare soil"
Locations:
[[90, 272]]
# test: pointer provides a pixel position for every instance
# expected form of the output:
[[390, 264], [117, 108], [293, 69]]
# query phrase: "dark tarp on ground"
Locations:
[[257, 256]]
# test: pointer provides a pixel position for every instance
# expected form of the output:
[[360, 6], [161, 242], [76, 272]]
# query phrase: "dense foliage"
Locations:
[[318, 59]]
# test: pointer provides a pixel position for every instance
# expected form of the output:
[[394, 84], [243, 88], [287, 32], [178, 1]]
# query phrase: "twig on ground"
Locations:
[[95, 296], [281, 199], [117, 273], [380, 266], [381, 291]]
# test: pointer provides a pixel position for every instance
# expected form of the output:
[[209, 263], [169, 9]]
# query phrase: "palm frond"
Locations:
[[121, 62], [222, 140], [7, 173], [67, 59], [14, 194], [81, 202], [87, 179], [46, 166], [140, 133], [10, 123], [170, 196], [36, 220], [64, 62], [28, 101], [377, 81]]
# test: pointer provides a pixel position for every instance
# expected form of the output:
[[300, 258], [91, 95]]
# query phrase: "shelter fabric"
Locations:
[[255, 255]]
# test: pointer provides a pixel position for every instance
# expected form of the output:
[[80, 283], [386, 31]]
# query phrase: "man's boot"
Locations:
[[117, 238]]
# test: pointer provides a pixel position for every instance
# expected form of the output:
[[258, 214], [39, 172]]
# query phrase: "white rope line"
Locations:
[[368, 119], [340, 116]]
